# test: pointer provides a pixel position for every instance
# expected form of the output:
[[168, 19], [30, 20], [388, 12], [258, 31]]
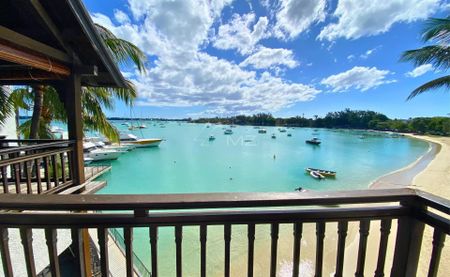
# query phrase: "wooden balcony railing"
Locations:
[[36, 166], [411, 211]]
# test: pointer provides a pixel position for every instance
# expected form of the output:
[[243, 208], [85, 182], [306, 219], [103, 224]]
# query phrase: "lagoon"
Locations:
[[187, 162]]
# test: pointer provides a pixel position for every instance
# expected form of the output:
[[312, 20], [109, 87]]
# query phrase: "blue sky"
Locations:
[[288, 57]]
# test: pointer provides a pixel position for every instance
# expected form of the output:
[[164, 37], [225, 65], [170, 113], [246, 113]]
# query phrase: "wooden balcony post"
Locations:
[[72, 103], [407, 245]]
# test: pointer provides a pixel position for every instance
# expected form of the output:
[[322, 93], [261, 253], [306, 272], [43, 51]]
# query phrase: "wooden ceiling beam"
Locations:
[[20, 56], [31, 75], [26, 42]]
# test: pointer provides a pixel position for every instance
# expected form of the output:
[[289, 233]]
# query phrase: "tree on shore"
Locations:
[[437, 30]]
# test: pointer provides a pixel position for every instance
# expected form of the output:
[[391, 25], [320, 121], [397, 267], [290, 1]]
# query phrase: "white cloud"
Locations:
[[420, 70], [296, 16], [121, 17], [351, 57], [359, 78], [270, 57], [183, 75], [368, 53], [241, 33], [359, 18]]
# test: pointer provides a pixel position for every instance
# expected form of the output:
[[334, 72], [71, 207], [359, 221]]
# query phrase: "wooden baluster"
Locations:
[[154, 249], [38, 175], [70, 164], [26, 167], [63, 167], [274, 249], [438, 243], [128, 236], [364, 226], [179, 252], [77, 243], [251, 248], [227, 238], [385, 229], [320, 235], [203, 234], [16, 172], [50, 237], [342, 234], [298, 228], [55, 171], [5, 253], [27, 242], [5, 180], [47, 173], [103, 245]]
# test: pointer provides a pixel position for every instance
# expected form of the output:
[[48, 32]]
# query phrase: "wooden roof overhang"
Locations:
[[46, 41]]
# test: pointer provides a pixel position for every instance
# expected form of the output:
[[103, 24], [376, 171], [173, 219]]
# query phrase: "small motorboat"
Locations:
[[273, 136], [316, 175], [211, 138], [228, 132], [139, 143], [262, 131], [94, 153], [323, 172], [314, 141], [142, 126], [282, 130], [289, 135]]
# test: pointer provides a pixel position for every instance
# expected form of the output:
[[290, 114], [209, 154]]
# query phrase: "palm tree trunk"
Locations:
[[37, 110]]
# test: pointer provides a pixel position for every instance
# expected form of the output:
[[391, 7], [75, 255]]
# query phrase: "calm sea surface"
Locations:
[[186, 162]]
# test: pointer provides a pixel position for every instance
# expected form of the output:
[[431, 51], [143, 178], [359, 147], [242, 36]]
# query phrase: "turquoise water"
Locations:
[[246, 161], [186, 162]]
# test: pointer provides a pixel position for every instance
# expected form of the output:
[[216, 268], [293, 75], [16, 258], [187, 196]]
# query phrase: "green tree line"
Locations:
[[347, 119]]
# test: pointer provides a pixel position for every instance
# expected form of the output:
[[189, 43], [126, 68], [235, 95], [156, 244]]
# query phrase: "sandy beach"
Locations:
[[429, 173]]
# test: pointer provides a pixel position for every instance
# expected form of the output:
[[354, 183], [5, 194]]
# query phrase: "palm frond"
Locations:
[[6, 109], [434, 84], [437, 29], [438, 56], [44, 131], [127, 95], [20, 98], [124, 52]]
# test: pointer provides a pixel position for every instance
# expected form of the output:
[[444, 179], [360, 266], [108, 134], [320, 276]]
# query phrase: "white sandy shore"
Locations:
[[430, 173]]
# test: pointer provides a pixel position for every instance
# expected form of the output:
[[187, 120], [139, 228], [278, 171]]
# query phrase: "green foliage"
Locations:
[[6, 107], [436, 30], [348, 119]]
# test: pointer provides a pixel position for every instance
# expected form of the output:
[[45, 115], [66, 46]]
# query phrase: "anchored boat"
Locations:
[[139, 143], [323, 172], [314, 141]]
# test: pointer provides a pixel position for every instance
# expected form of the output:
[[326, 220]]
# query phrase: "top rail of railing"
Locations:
[[32, 145], [215, 200]]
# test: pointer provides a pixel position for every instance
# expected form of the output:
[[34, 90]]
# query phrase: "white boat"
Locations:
[[282, 130], [93, 153], [142, 126], [228, 132], [316, 175], [126, 139]]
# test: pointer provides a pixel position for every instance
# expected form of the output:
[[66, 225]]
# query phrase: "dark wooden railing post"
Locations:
[[407, 244], [51, 238], [298, 228], [154, 249], [227, 239], [4, 251], [203, 234], [71, 97], [342, 234], [77, 244], [251, 248], [438, 243], [320, 235], [274, 230]]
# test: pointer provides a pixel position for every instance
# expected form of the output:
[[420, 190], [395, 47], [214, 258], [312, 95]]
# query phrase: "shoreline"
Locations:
[[405, 176]]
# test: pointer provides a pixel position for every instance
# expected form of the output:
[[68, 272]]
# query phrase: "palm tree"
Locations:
[[436, 30], [48, 106]]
